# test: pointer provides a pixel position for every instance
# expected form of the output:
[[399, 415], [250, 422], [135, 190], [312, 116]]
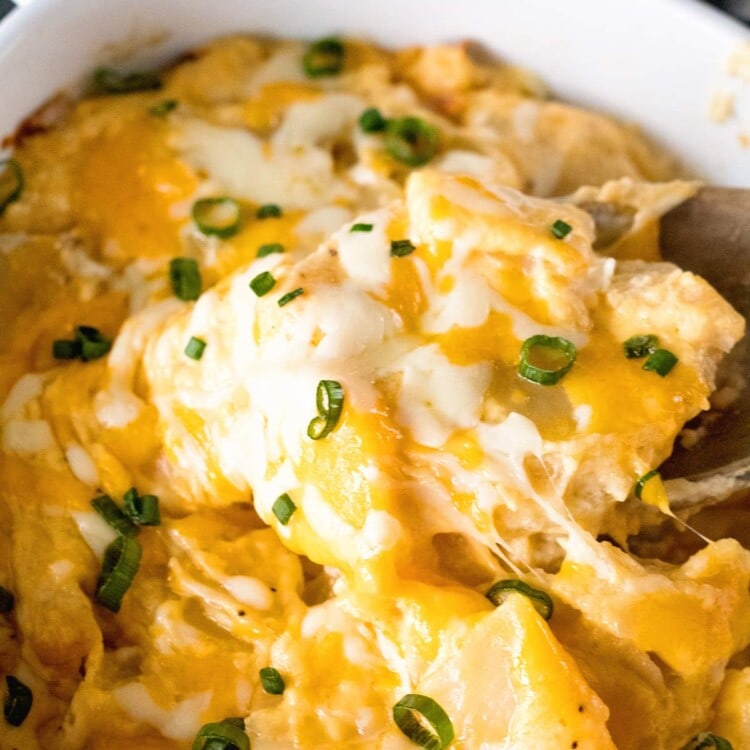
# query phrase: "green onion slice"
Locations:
[[163, 108], [66, 349], [269, 249], [660, 361], [707, 740], [401, 248], [93, 344], [269, 211], [546, 359], [289, 296], [143, 509], [283, 508], [263, 283], [11, 183], [561, 229], [195, 348], [185, 277], [121, 560], [423, 721], [110, 81], [218, 216], [329, 398], [641, 483], [228, 734], [371, 121], [411, 141], [541, 600], [324, 58], [272, 681], [7, 601], [108, 509], [637, 347], [18, 701], [361, 228]]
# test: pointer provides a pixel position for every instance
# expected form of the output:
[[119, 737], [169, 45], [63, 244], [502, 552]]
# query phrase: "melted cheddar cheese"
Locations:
[[445, 471]]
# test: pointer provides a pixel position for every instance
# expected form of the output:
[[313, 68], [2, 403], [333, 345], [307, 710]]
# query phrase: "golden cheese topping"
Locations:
[[356, 337]]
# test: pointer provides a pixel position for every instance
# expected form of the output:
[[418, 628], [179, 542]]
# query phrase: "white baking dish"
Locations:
[[655, 62]]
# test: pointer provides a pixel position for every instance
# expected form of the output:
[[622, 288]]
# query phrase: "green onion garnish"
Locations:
[[640, 346], [561, 229], [401, 248], [283, 508], [660, 361], [185, 277], [324, 58], [289, 296], [272, 681], [93, 344], [143, 509], [228, 734], [162, 109], [269, 249], [641, 483], [18, 701], [66, 349], [7, 601], [121, 560], [546, 359], [218, 216], [706, 740], [411, 141], [263, 283], [195, 348], [423, 721], [269, 211], [110, 81], [11, 183], [361, 228], [329, 398], [371, 121], [108, 509], [541, 600]]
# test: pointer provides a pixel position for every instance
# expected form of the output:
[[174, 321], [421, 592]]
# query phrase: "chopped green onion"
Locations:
[[269, 211], [143, 509], [7, 601], [706, 740], [640, 346], [401, 248], [269, 249], [371, 121], [228, 734], [546, 359], [18, 701], [541, 600], [289, 296], [411, 141], [219, 216], [121, 560], [195, 348], [423, 721], [660, 361], [110, 81], [324, 58], [66, 349], [11, 183], [641, 483], [283, 508], [108, 509], [272, 681], [329, 398], [361, 228], [185, 277], [561, 229], [93, 344], [263, 283], [162, 109]]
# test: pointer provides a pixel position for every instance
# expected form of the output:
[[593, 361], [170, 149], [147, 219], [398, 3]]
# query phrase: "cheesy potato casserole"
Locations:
[[334, 384]]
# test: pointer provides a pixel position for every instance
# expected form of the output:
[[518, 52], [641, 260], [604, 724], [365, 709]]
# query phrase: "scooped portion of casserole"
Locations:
[[335, 382]]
